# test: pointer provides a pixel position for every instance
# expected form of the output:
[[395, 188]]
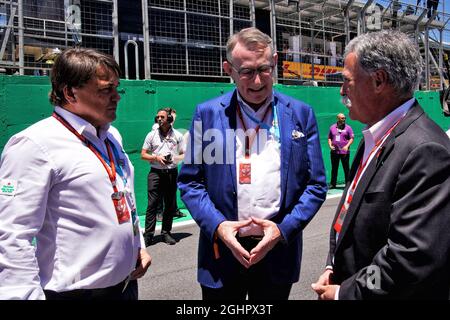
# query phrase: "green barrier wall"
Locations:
[[24, 100]]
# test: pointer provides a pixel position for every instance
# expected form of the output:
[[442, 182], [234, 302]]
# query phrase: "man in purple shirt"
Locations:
[[340, 138]]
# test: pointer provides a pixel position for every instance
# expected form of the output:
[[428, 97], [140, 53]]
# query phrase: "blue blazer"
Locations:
[[209, 189]]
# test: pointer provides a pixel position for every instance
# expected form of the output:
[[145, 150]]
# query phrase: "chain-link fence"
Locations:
[[33, 32], [186, 39]]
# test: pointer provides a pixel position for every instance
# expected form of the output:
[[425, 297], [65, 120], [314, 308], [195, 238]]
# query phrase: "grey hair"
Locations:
[[250, 38], [393, 52]]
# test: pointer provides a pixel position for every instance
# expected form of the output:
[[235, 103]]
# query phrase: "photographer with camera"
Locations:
[[163, 149]]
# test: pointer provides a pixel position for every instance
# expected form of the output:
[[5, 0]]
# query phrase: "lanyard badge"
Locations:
[[245, 172], [118, 198]]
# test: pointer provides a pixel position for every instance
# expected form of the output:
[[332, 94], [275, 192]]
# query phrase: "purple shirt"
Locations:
[[339, 138]]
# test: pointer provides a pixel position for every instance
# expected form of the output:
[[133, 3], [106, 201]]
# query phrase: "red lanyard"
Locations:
[[110, 170], [248, 141], [343, 211]]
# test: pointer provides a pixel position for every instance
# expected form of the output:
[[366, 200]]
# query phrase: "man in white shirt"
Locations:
[[67, 183], [390, 237], [163, 149]]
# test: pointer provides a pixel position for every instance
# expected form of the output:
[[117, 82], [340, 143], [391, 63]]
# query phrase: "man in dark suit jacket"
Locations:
[[390, 238], [252, 200]]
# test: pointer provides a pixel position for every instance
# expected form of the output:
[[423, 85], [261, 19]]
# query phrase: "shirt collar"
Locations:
[[375, 132], [249, 110], [82, 126], [169, 133]]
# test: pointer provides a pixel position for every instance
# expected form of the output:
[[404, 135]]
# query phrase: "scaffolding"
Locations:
[[33, 32], [186, 39]]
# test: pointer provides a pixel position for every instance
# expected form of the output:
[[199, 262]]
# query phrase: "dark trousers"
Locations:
[[162, 184], [109, 293], [432, 7], [335, 158], [253, 282]]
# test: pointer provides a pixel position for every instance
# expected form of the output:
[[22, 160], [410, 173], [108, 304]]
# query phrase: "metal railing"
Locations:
[[186, 39]]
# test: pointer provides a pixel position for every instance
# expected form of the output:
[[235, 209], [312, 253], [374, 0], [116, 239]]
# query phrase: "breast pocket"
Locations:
[[299, 152]]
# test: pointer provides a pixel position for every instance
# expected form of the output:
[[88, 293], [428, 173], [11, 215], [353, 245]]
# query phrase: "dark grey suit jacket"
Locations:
[[395, 240]]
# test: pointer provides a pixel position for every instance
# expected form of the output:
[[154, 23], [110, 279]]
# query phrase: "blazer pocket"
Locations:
[[299, 151], [372, 197]]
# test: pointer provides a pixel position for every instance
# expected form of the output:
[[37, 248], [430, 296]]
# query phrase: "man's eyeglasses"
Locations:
[[249, 73]]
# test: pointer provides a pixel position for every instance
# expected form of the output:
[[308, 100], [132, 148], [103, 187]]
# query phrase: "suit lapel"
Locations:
[[284, 114], [228, 119]]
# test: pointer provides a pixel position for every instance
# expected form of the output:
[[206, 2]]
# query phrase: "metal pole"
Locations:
[[136, 57], [324, 41], [441, 61], [427, 48], [9, 31], [145, 30], [252, 12], [273, 31], [427, 58], [362, 14], [186, 52], [416, 25], [21, 59], [231, 17], [220, 36], [231, 25], [115, 29], [347, 21], [312, 50]]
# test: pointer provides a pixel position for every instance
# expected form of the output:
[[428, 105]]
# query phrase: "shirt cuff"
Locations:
[[336, 294]]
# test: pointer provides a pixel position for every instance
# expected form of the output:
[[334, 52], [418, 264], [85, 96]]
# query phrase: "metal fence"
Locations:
[[186, 39], [33, 32]]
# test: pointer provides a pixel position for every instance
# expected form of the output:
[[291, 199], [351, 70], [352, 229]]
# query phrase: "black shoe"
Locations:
[[179, 214], [149, 242], [167, 238]]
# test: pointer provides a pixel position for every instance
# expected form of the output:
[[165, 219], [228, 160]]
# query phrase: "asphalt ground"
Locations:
[[173, 273]]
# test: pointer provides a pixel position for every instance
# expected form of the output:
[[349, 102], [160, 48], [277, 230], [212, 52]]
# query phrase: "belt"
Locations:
[[163, 170], [113, 292], [249, 242]]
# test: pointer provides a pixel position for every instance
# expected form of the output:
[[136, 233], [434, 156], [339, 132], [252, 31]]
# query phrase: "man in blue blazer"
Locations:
[[252, 179]]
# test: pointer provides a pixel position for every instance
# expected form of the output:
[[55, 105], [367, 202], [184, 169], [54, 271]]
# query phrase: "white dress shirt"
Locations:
[[61, 196], [261, 198]]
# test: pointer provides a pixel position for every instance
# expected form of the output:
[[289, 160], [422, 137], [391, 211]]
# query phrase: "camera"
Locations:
[[168, 157]]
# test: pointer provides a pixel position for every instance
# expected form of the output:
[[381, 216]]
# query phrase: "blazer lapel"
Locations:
[[284, 114], [228, 119]]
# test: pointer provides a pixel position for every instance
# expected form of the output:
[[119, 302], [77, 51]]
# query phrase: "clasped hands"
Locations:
[[227, 231]]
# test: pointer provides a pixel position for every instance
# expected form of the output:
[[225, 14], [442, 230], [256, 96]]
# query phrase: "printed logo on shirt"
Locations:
[[8, 187]]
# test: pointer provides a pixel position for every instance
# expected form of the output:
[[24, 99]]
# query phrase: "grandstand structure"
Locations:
[[185, 39]]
